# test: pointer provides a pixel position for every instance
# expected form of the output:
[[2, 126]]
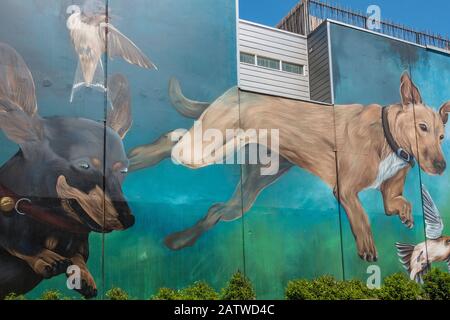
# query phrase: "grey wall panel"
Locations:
[[319, 65], [276, 44]]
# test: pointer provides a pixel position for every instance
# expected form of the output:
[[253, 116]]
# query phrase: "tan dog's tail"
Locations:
[[151, 154], [186, 107]]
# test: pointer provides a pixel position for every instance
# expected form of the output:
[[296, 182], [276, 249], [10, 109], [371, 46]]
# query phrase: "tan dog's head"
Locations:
[[420, 128]]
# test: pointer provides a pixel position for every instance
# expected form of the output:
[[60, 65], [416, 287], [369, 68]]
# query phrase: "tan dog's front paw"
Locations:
[[406, 215], [49, 264], [366, 247], [403, 208]]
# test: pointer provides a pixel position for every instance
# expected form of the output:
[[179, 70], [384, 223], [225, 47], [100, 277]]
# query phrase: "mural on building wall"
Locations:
[[92, 35], [73, 157], [73, 147], [56, 182], [356, 79], [417, 258], [381, 134]]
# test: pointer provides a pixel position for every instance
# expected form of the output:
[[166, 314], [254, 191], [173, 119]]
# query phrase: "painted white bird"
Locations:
[[92, 35], [417, 258]]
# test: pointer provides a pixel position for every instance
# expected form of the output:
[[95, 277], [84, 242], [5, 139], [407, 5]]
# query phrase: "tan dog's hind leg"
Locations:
[[394, 202], [46, 263], [88, 287], [360, 225], [252, 184]]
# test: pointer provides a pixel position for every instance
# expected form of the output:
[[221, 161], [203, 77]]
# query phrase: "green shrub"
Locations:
[[399, 287], [200, 290], [166, 294], [117, 294], [437, 285], [51, 295], [354, 290], [299, 290], [13, 296], [327, 288], [238, 288]]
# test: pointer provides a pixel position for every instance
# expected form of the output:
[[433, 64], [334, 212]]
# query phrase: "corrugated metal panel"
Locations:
[[276, 44], [319, 65]]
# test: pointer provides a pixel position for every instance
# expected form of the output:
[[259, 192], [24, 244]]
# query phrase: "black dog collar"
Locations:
[[400, 152]]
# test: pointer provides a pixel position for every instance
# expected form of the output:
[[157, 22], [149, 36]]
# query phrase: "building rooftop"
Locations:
[[307, 15]]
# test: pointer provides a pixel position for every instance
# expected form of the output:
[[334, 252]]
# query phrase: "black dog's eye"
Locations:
[[423, 127], [441, 137], [83, 165]]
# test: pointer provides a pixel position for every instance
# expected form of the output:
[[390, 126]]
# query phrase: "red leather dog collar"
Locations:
[[10, 202]]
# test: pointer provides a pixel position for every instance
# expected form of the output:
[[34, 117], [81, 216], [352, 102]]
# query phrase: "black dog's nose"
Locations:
[[127, 220], [439, 165]]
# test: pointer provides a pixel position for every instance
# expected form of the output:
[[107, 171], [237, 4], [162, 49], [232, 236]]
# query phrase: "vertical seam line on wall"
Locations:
[[238, 78], [238, 50], [338, 195], [420, 173], [105, 115], [241, 175]]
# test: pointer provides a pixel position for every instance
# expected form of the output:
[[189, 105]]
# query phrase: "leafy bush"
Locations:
[[300, 290], [117, 294], [51, 295], [399, 287], [327, 288], [200, 290], [437, 285], [238, 288], [166, 294], [13, 296], [354, 290]]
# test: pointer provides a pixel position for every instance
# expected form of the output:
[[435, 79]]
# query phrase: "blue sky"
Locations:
[[430, 15]]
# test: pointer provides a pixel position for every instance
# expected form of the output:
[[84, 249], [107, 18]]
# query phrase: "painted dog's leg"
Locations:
[[394, 202], [252, 184], [46, 263], [88, 287], [151, 154], [359, 223]]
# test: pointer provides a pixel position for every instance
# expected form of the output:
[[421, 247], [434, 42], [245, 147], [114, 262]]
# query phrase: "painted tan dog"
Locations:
[[350, 140]]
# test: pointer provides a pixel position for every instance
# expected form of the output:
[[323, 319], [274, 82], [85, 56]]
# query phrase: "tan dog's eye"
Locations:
[[423, 127], [441, 137]]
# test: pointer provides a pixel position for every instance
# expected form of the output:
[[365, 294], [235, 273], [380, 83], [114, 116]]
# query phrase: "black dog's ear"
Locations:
[[18, 118], [18, 125], [444, 110], [408, 91], [119, 118]]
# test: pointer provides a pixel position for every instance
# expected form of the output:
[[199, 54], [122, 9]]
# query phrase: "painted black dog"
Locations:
[[63, 183]]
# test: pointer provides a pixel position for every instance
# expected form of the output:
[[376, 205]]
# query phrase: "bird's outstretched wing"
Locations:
[[433, 221], [119, 45]]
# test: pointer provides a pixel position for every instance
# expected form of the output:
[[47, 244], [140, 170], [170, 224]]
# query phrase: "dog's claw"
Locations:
[[87, 291]]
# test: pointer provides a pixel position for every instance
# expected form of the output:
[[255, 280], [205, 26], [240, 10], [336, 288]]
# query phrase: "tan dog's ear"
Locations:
[[408, 91], [444, 110]]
